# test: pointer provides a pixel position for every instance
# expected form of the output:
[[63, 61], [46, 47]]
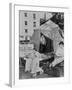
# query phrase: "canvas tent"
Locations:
[[51, 30]]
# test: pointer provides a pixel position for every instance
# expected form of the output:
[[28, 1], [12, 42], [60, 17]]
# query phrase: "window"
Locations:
[[34, 24], [25, 14], [25, 22], [34, 16], [26, 30]]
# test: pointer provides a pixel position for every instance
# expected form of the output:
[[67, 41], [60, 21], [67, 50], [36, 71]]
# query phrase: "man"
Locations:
[[57, 66], [59, 56]]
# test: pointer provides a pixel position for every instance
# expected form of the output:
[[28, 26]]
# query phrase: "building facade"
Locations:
[[30, 21]]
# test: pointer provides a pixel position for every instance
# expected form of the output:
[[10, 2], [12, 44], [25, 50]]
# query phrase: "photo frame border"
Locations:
[[13, 64]]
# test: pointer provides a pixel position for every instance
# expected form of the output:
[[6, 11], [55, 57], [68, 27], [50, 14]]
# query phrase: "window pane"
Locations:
[[25, 14], [34, 16], [26, 30], [25, 22], [34, 24]]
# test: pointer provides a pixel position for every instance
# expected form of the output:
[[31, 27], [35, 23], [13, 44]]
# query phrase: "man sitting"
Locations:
[[57, 66], [59, 56]]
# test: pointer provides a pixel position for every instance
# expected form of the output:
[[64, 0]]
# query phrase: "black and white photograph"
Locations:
[[41, 44]]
